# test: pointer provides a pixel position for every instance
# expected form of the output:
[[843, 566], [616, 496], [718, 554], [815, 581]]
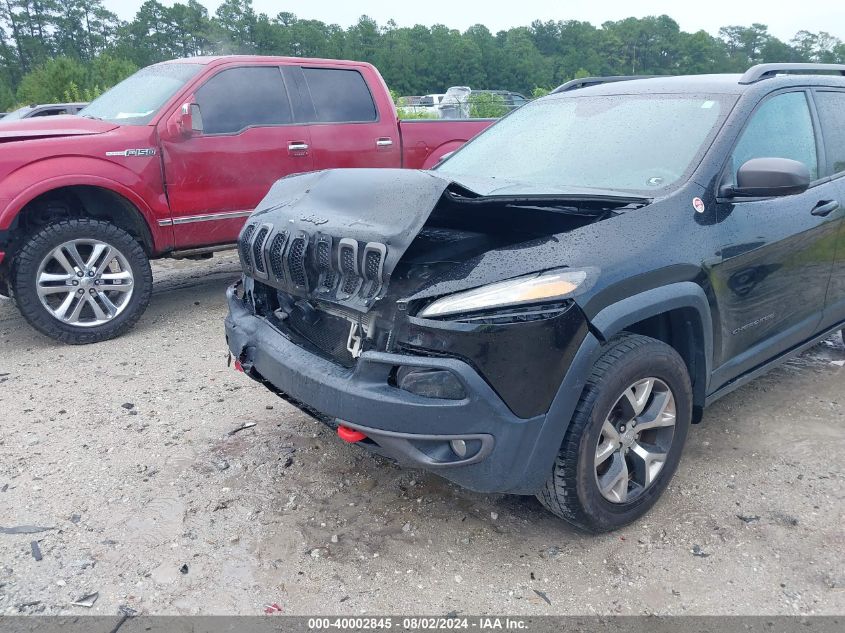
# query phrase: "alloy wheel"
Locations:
[[635, 440], [84, 282]]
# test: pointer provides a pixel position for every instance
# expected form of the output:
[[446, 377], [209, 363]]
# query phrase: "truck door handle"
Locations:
[[385, 141], [297, 148], [825, 207]]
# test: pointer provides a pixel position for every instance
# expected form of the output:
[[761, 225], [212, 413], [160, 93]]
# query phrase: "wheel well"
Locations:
[[78, 202], [682, 330]]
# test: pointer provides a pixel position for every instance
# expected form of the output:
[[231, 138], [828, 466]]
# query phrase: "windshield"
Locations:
[[16, 114], [135, 100], [625, 143]]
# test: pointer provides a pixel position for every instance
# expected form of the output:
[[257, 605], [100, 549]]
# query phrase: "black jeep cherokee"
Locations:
[[549, 309]]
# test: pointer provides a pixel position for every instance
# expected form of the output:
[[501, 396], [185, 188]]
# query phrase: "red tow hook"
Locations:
[[350, 435]]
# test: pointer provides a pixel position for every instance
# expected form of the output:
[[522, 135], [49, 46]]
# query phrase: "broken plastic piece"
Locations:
[[350, 435], [238, 366]]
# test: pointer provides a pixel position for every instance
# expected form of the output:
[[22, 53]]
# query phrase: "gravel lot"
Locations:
[[121, 449]]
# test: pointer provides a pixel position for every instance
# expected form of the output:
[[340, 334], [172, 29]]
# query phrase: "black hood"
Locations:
[[337, 236]]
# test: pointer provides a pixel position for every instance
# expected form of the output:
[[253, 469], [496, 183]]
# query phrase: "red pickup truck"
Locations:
[[169, 163]]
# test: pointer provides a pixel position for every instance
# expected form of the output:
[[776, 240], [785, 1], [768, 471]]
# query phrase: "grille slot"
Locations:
[[246, 253], [257, 246], [328, 277], [374, 254], [277, 248], [348, 263], [296, 262]]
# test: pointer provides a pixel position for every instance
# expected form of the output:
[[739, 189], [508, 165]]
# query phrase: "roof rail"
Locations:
[[585, 82], [765, 71]]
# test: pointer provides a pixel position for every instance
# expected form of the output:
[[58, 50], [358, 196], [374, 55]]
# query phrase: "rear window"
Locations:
[[339, 96], [831, 107]]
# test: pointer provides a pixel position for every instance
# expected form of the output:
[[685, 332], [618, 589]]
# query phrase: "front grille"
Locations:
[[246, 249], [342, 271]]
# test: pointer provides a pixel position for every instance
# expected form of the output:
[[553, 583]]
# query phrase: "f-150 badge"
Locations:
[[144, 151]]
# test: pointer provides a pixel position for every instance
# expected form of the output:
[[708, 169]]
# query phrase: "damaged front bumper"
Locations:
[[502, 451]]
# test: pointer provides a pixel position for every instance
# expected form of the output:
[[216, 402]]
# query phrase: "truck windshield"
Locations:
[[136, 99], [628, 143]]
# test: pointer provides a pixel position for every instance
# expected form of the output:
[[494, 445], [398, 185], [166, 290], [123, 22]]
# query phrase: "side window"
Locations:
[[780, 128], [238, 98], [831, 106], [50, 112], [339, 96]]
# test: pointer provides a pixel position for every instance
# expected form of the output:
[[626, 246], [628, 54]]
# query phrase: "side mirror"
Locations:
[[770, 177], [187, 122]]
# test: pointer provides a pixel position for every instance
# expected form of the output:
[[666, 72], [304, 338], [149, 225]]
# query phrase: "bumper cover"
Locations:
[[515, 454]]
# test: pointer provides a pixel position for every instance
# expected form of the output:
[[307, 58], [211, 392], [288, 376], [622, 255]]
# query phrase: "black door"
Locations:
[[776, 253], [831, 107]]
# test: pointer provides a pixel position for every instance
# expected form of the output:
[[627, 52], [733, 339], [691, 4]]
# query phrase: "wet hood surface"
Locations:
[[52, 126]]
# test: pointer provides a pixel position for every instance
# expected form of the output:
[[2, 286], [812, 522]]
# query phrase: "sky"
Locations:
[[783, 19]]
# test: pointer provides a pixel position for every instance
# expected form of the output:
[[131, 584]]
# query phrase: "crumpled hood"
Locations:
[[338, 235], [52, 126]]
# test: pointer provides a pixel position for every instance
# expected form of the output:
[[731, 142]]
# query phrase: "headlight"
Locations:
[[537, 288]]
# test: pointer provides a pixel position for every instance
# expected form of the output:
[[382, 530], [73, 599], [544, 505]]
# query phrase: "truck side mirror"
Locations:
[[770, 177], [190, 120]]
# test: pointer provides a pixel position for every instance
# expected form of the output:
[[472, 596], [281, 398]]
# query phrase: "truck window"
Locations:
[[831, 107], [339, 96], [239, 98], [780, 128]]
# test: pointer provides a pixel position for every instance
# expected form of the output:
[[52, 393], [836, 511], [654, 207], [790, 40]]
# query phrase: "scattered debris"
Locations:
[[458, 578], [128, 406], [272, 608], [36, 550], [86, 601], [838, 363], [222, 465], [406, 527], [494, 515], [553, 551], [25, 605], [269, 407], [127, 611], [319, 552], [697, 551], [344, 598], [288, 462], [4, 488], [247, 425], [785, 519], [25, 529], [748, 518], [334, 538], [543, 595], [75, 518], [183, 569]]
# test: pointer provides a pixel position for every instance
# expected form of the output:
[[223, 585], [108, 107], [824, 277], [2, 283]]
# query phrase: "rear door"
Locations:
[[250, 139], [346, 127], [776, 256], [830, 104]]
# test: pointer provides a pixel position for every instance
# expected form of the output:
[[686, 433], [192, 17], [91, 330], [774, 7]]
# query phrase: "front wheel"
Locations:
[[81, 281], [626, 437]]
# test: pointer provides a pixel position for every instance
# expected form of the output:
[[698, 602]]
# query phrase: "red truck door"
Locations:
[[348, 128], [250, 139]]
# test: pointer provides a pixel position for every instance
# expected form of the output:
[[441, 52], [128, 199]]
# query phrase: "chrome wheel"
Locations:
[[84, 282], [635, 440]]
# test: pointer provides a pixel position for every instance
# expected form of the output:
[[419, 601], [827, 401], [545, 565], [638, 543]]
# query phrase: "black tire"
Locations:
[[572, 489], [37, 247]]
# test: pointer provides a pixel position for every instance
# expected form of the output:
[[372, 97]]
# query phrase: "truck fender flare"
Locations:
[[438, 152], [161, 238], [611, 320]]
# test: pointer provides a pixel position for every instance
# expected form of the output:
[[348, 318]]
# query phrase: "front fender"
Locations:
[[439, 152], [34, 179]]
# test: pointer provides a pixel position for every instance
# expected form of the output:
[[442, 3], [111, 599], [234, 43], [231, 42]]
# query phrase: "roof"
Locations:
[[728, 84], [215, 60]]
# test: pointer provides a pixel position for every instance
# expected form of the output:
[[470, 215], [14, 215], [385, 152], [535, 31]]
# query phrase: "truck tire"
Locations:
[[81, 281], [625, 439]]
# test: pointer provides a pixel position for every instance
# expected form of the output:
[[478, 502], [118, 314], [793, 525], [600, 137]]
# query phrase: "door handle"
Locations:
[[297, 147], [825, 207], [384, 142]]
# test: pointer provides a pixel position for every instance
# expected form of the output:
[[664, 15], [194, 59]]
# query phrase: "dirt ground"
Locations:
[[121, 450]]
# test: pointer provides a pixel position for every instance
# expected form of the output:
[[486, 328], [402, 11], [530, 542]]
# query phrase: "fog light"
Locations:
[[430, 383], [459, 448]]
